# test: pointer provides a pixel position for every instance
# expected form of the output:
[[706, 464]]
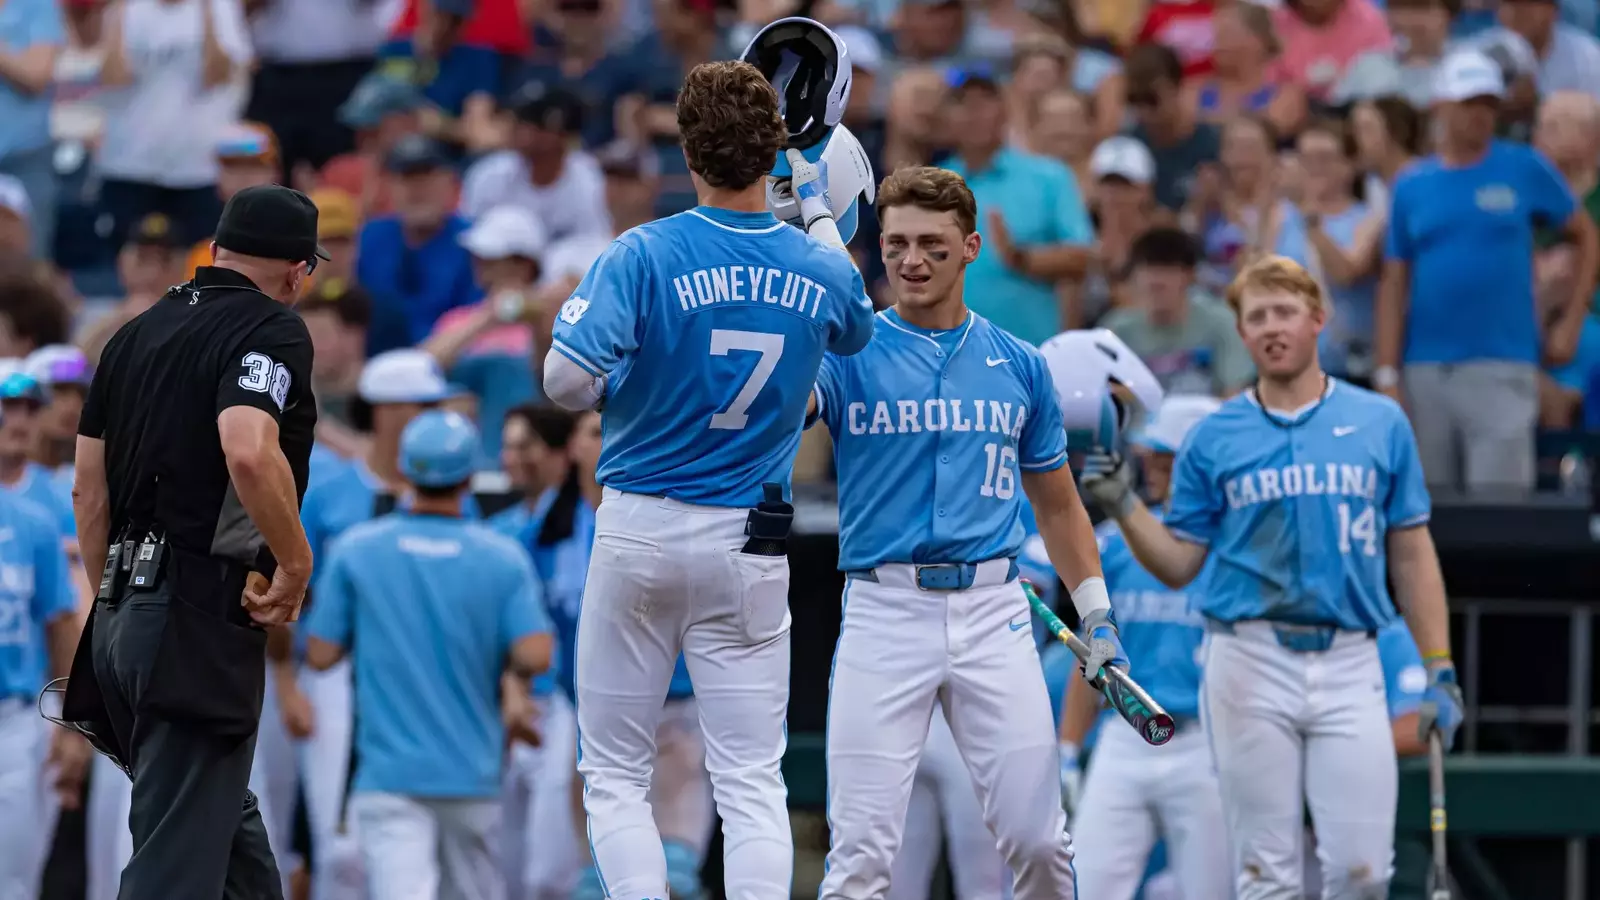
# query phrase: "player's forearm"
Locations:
[[1078, 709], [1173, 561], [1058, 262], [1068, 537], [1419, 590], [91, 510]]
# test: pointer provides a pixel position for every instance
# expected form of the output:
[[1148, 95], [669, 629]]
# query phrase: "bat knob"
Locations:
[[1158, 730]]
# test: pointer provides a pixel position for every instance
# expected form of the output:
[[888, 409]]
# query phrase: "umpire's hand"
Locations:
[[280, 602]]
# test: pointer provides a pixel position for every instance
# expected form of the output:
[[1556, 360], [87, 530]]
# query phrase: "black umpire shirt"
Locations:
[[165, 377]]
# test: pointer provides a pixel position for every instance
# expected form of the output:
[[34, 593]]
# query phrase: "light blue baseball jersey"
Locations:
[[710, 326], [521, 523], [325, 464], [1161, 628], [61, 485], [38, 485], [930, 433], [1296, 510], [429, 608], [1404, 677], [564, 566], [34, 590]]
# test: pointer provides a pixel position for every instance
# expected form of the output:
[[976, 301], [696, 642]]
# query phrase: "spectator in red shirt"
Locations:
[[1322, 37], [1187, 26]]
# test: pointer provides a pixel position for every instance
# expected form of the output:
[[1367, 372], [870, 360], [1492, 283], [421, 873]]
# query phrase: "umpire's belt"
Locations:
[[941, 576], [1290, 636]]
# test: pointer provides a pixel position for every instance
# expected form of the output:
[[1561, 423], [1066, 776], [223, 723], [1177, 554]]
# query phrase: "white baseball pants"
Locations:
[[1134, 794], [337, 870], [423, 848], [24, 804], [539, 853], [1285, 725], [667, 577], [901, 650], [944, 810]]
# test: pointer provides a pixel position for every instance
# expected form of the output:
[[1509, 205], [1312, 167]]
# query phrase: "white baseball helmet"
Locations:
[[1104, 390], [850, 182], [1176, 417]]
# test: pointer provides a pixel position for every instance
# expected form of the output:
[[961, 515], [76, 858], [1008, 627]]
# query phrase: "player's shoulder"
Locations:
[[30, 514], [496, 545], [362, 537], [1237, 413], [1003, 344], [1373, 406]]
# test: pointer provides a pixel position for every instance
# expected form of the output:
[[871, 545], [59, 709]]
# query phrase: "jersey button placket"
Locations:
[[1308, 548], [940, 472]]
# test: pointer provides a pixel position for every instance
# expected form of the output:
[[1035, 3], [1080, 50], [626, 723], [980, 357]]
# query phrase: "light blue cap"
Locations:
[[439, 449]]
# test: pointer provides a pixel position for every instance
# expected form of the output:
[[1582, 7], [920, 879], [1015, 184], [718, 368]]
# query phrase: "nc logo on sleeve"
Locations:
[[266, 376], [573, 309]]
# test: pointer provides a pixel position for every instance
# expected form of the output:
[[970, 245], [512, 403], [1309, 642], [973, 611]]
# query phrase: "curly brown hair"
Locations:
[[729, 123], [930, 188]]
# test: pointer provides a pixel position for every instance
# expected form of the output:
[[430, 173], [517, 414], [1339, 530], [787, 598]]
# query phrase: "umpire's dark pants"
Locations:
[[197, 834]]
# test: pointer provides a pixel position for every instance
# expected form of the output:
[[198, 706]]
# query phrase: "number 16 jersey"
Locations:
[[710, 326], [931, 432]]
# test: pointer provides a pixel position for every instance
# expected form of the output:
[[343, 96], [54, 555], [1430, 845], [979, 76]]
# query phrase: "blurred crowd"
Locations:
[[470, 158]]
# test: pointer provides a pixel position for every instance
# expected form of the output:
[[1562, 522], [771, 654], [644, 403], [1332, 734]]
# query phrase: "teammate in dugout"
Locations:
[[932, 424], [1308, 493], [432, 608], [702, 334]]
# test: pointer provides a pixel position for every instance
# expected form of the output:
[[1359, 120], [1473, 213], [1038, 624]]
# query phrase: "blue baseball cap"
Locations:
[[376, 97], [24, 386], [439, 449]]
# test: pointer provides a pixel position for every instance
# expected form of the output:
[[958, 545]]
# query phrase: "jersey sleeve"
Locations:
[[92, 420], [599, 324], [829, 394], [1397, 241], [1550, 200], [52, 588], [1404, 677], [332, 617], [524, 612], [1194, 511], [1408, 503], [271, 369], [1043, 447], [856, 316]]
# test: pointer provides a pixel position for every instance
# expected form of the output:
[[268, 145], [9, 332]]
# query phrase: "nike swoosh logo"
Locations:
[[995, 362], [1344, 430], [1018, 626]]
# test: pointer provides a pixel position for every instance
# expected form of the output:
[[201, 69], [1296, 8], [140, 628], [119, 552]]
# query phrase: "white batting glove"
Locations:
[[1108, 480], [809, 181], [1071, 778]]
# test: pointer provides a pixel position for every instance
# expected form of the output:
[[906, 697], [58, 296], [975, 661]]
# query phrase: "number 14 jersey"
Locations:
[[931, 431]]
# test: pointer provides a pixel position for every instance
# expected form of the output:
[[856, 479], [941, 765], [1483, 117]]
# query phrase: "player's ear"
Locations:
[[970, 248]]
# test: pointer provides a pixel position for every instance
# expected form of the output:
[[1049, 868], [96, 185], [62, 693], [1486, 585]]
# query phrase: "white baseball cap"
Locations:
[[14, 197], [506, 231], [1174, 419], [866, 53], [1123, 157], [1466, 74], [403, 376]]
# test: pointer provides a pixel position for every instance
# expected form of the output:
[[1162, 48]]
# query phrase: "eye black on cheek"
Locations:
[[938, 255], [894, 252]]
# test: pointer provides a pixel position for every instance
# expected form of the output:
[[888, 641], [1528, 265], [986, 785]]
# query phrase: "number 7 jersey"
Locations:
[[710, 326], [1296, 510]]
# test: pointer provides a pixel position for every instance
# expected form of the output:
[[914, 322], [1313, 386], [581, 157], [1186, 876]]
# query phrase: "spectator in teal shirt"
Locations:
[[31, 34], [1035, 229]]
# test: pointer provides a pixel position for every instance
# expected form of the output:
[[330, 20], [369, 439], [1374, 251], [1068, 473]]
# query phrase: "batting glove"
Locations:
[[1108, 480], [809, 181], [1105, 646], [1442, 704], [1071, 778]]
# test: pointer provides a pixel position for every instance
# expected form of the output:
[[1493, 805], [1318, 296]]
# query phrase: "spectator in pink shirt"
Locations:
[[1321, 38]]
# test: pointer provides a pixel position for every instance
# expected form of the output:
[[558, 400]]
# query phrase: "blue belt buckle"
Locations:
[[946, 576], [1305, 638]]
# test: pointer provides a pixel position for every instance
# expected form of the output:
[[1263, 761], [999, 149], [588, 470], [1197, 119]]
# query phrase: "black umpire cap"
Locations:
[[271, 222]]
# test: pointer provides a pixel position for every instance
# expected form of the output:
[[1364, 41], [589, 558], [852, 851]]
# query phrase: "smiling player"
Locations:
[[1306, 493], [934, 425]]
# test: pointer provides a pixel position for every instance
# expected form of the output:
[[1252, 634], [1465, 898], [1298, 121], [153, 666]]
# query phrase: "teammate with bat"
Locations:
[[1308, 493], [934, 424]]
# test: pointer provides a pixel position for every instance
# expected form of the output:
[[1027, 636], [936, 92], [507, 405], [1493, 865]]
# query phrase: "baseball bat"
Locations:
[[1439, 875], [1124, 694]]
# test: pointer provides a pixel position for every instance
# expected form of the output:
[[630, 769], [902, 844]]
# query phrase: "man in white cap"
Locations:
[[16, 216], [1456, 307], [1122, 175], [317, 707]]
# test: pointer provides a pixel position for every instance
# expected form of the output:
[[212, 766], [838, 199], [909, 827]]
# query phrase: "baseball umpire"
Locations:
[[193, 451]]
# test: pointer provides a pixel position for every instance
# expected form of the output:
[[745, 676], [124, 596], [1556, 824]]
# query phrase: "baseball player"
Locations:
[[702, 334], [1308, 492], [433, 610], [42, 767], [1135, 794], [934, 425], [316, 705]]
